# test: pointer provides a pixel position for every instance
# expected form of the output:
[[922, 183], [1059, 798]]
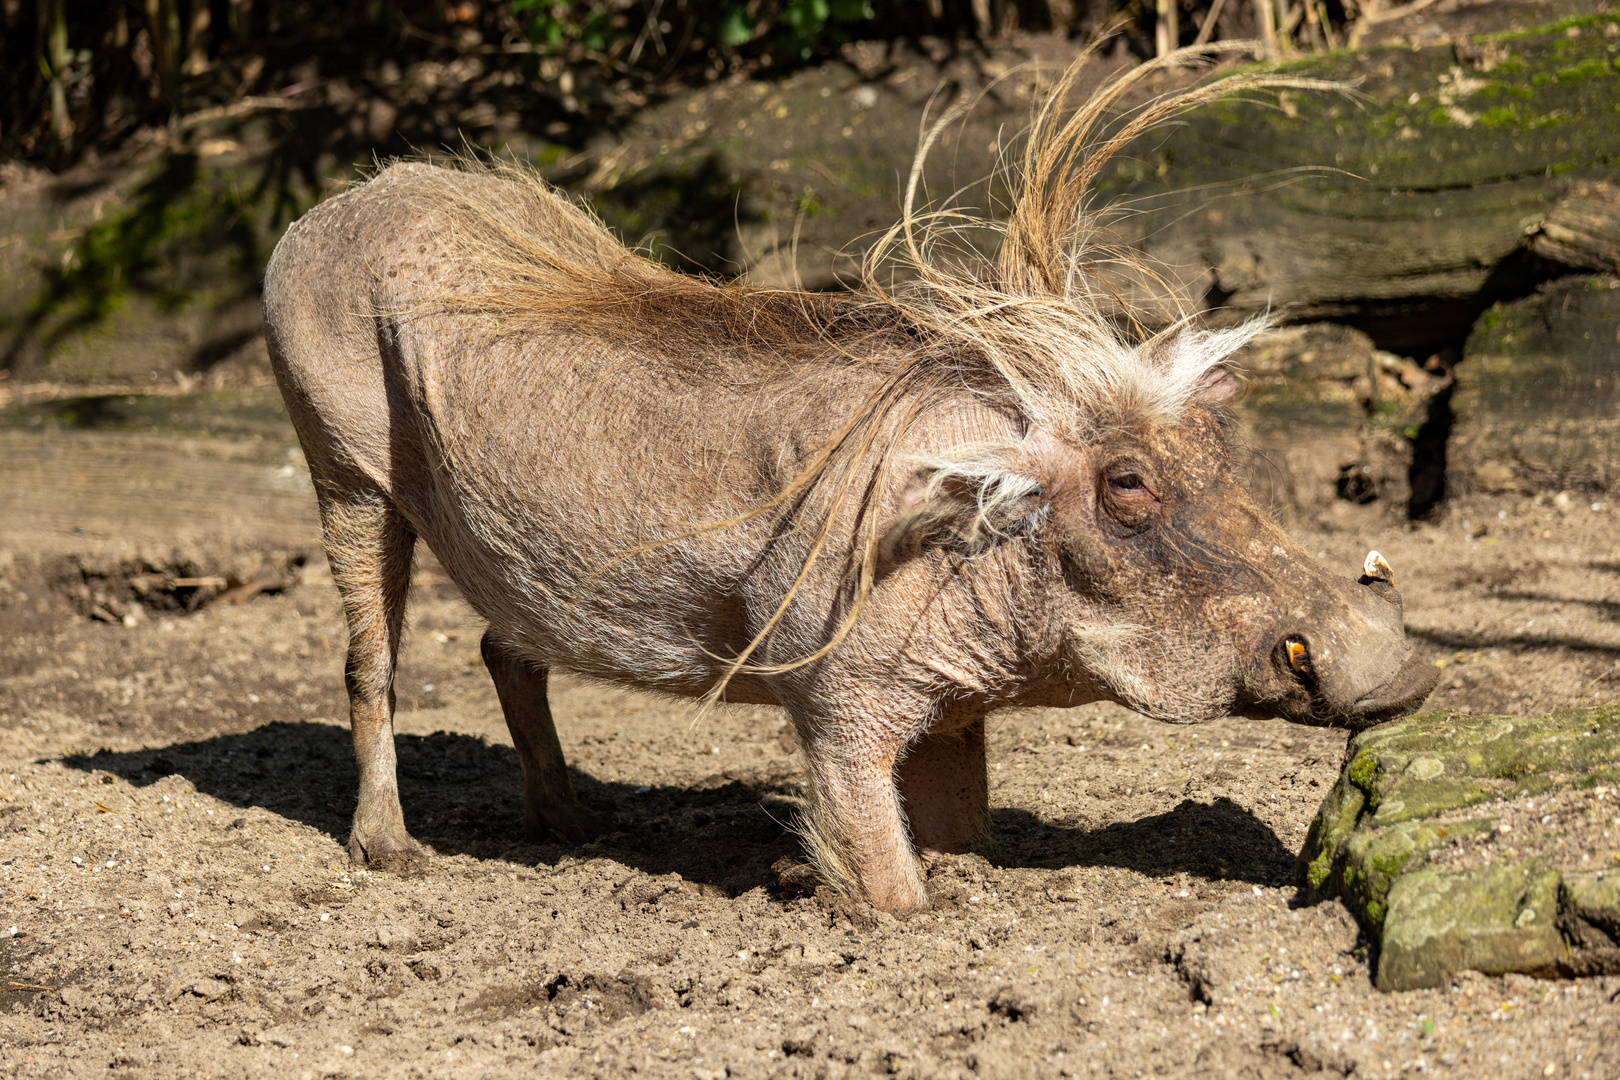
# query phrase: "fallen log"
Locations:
[[1456, 177]]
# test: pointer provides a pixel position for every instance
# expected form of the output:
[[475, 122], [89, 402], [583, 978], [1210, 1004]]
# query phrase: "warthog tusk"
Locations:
[[1377, 567], [1298, 657]]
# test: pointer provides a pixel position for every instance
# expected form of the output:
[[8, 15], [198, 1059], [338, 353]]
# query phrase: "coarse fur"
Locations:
[[890, 511], [1028, 331]]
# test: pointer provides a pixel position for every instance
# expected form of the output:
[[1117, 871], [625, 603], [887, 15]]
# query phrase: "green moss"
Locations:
[[550, 156], [1319, 871], [1586, 69], [1363, 771], [809, 206], [1373, 860], [1386, 860], [1499, 117], [1559, 27]]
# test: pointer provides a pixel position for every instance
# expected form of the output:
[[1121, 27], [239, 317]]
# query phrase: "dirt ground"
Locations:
[[175, 790]]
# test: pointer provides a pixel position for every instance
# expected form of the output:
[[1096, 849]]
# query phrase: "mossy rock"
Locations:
[[1401, 208], [1476, 842], [1492, 919], [1538, 395], [1330, 416]]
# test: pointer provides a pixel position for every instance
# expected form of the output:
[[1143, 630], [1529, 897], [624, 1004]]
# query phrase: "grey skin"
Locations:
[[1020, 561]]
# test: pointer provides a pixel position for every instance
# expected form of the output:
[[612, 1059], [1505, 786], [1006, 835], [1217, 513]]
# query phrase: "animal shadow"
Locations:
[[463, 795], [1456, 640], [1215, 840]]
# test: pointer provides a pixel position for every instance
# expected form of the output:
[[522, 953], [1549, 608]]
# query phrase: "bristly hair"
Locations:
[[1035, 329], [1042, 315], [1037, 325]]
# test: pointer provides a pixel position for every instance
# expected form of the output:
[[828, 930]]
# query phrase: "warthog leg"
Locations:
[[369, 545], [549, 801], [856, 833], [945, 790]]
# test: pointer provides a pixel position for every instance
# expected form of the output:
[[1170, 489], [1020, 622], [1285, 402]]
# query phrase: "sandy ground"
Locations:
[[175, 791]]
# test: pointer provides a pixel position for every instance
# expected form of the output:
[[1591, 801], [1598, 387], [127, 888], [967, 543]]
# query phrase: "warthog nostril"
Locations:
[[1299, 657]]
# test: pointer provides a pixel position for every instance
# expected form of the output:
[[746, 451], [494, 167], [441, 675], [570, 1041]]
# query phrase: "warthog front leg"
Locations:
[[548, 795], [369, 546], [856, 832], [945, 790]]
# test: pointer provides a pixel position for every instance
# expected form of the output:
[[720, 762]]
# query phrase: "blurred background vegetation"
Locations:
[[84, 75]]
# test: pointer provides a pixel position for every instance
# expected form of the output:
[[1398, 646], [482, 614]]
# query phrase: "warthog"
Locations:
[[889, 511]]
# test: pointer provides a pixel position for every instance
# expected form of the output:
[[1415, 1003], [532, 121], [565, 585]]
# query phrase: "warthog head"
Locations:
[[1148, 575], [1152, 575]]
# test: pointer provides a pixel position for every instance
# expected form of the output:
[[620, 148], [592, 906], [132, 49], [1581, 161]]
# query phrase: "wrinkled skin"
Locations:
[[1132, 568], [1152, 528], [1146, 529]]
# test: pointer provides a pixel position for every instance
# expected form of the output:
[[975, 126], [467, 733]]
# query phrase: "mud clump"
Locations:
[[126, 592]]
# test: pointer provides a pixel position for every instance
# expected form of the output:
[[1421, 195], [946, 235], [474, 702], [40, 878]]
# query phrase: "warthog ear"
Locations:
[[968, 504], [1191, 366], [1220, 385]]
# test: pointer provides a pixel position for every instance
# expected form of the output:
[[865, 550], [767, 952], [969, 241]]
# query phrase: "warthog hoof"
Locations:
[[572, 823], [392, 851]]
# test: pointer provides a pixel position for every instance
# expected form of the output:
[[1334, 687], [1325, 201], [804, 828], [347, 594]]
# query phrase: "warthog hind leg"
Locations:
[[549, 801], [369, 546], [945, 791]]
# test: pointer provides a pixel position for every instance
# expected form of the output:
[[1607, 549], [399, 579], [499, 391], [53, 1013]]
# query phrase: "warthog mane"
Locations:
[[1035, 330]]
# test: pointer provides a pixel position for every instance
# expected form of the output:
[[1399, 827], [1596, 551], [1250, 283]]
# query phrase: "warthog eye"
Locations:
[[1128, 496], [1126, 482]]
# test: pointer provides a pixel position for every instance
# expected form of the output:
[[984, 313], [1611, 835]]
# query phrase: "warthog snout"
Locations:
[[1352, 666]]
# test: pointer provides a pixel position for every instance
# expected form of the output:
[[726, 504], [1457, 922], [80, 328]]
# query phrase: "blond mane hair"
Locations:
[[1036, 329]]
